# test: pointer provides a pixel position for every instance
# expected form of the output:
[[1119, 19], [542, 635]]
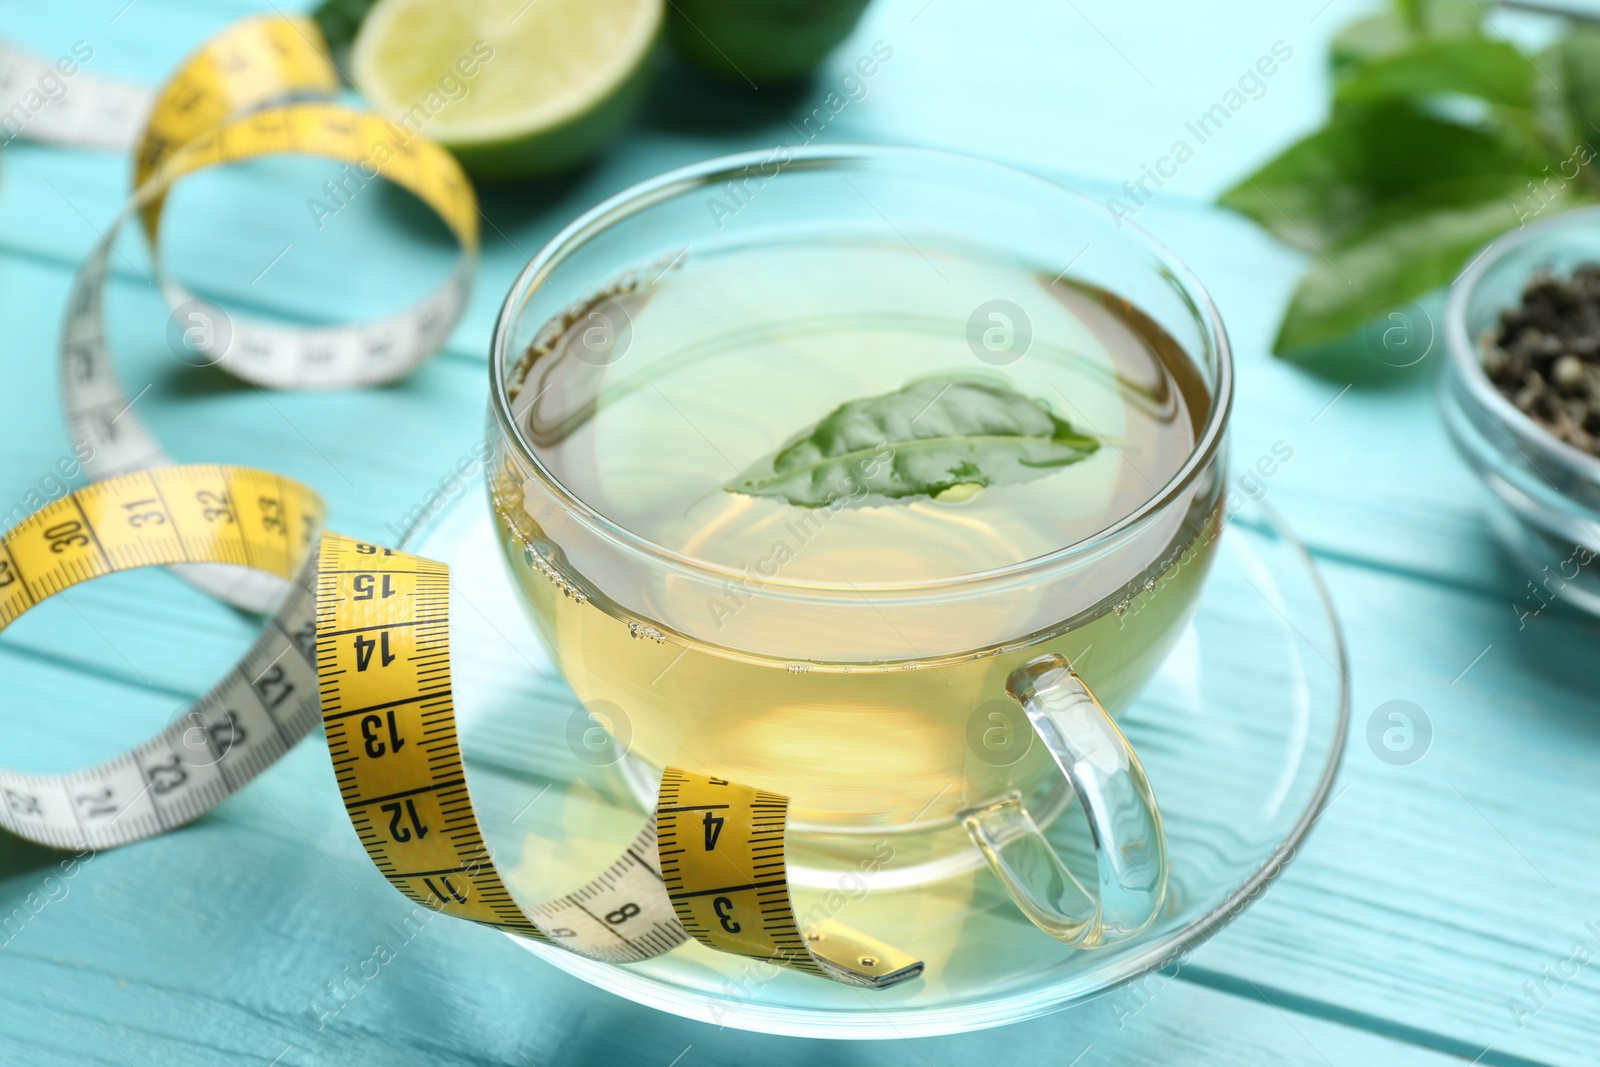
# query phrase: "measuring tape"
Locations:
[[251, 91], [359, 633], [364, 636]]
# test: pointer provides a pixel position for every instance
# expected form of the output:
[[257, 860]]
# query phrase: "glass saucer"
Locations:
[[1241, 733]]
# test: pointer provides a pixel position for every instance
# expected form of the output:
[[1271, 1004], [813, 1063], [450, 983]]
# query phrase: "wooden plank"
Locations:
[[1430, 893]]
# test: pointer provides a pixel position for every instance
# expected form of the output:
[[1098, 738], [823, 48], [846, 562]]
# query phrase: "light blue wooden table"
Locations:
[[1428, 897]]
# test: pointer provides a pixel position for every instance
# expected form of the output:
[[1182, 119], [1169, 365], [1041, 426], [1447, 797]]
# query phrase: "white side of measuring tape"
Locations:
[[40, 101], [239, 728], [323, 357]]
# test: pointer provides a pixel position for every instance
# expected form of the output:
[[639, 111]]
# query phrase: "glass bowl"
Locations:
[[1544, 494]]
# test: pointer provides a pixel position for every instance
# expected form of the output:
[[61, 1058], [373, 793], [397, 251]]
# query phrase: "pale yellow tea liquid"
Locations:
[[869, 714]]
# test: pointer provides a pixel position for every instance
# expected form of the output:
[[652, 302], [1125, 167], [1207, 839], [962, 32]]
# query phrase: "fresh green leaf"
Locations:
[[1330, 183], [1440, 139], [1495, 71], [919, 440], [339, 21], [1414, 245]]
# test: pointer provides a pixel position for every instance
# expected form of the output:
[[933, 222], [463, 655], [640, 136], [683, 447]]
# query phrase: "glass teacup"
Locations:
[[879, 478]]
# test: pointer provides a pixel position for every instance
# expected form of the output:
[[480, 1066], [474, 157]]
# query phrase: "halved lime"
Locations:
[[513, 87]]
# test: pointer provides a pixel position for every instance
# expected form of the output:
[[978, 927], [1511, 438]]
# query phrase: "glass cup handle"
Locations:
[[1124, 823]]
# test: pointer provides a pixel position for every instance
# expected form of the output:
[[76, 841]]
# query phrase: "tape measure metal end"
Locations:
[[850, 956]]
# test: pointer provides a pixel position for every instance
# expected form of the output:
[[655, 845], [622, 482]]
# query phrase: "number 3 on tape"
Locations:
[[364, 638]]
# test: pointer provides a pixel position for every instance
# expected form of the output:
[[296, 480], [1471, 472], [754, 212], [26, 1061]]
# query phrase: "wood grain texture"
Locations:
[[1426, 898]]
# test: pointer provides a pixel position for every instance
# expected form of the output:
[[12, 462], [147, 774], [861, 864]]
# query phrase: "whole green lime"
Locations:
[[760, 41]]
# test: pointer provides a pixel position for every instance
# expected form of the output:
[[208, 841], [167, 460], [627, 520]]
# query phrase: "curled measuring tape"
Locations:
[[364, 636], [258, 88], [709, 864]]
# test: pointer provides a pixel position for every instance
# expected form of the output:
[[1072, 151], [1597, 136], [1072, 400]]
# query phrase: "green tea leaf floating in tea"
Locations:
[[921, 440]]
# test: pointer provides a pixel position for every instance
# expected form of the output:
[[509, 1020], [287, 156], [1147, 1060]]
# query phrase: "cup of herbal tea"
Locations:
[[879, 478]]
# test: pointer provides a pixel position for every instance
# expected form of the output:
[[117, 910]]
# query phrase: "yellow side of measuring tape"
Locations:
[[247, 65], [365, 637]]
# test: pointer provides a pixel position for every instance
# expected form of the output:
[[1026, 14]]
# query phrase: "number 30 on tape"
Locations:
[[363, 640]]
